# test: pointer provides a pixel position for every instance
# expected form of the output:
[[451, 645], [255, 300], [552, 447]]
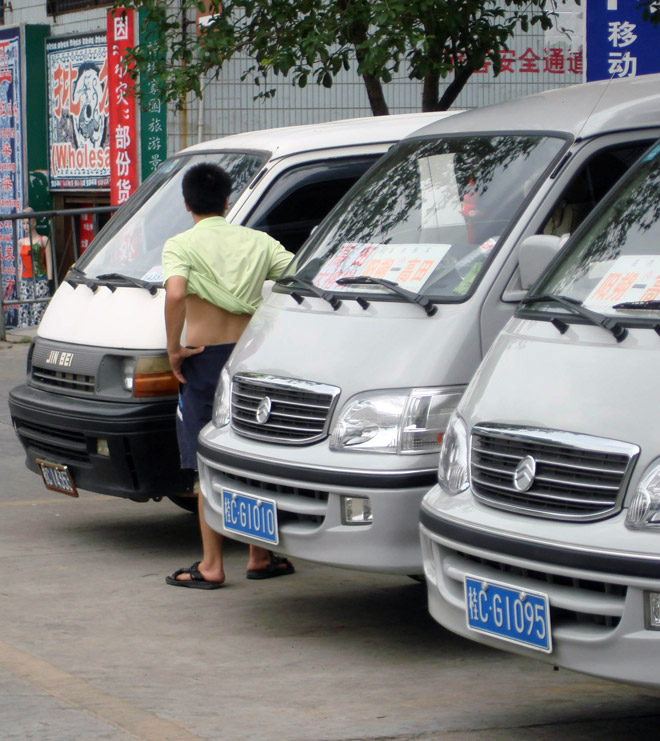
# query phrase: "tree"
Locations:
[[314, 40]]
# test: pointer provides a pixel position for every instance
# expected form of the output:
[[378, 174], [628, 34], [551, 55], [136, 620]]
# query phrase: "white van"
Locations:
[[97, 410], [543, 535], [331, 411]]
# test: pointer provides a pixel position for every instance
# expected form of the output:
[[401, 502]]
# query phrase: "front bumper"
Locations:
[[596, 597], [309, 513], [144, 458]]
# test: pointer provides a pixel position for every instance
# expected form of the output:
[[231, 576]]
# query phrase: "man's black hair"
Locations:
[[206, 187]]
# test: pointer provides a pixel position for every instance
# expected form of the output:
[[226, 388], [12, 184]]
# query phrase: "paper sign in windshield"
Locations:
[[409, 265], [631, 278]]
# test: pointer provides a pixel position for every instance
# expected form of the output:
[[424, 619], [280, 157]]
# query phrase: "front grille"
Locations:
[[59, 444], [577, 477], [65, 381], [575, 603], [281, 410], [292, 501]]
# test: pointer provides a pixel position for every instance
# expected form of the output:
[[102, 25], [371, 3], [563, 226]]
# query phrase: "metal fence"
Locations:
[[22, 304]]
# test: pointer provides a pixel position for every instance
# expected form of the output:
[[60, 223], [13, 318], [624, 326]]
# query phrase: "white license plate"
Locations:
[[57, 477], [507, 612], [248, 515]]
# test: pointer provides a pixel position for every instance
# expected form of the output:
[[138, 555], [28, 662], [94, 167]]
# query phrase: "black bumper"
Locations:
[[144, 456]]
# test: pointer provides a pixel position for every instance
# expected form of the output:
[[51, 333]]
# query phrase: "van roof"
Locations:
[[584, 110], [288, 140]]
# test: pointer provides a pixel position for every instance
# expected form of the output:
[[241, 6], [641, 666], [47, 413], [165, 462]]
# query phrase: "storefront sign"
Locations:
[[123, 126], [11, 161], [620, 43], [153, 114], [78, 127]]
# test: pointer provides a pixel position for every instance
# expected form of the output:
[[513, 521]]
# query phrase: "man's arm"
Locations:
[[175, 316]]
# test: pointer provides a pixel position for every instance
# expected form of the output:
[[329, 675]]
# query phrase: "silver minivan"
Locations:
[[543, 534], [331, 412]]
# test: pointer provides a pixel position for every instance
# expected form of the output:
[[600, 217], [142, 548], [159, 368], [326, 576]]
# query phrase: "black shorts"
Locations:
[[195, 409]]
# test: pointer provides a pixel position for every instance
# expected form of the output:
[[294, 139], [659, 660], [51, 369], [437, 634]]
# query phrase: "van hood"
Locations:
[[358, 350], [582, 381], [128, 317]]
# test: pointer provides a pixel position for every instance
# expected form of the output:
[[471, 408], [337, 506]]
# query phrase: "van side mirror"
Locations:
[[535, 254]]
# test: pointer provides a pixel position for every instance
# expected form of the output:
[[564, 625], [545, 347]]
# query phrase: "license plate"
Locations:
[[504, 611], [57, 477], [248, 515]]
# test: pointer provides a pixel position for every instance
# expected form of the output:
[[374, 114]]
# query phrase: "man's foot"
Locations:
[[275, 566], [192, 578]]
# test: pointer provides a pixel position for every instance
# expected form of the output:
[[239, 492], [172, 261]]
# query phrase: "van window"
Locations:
[[132, 242], [589, 185], [302, 196], [614, 266], [429, 215]]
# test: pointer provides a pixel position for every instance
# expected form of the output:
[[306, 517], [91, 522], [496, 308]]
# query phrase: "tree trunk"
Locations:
[[453, 90], [376, 96], [356, 33]]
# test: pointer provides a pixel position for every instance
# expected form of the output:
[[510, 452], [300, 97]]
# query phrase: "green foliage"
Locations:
[[314, 40]]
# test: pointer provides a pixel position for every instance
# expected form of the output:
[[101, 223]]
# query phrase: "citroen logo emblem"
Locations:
[[263, 410], [523, 476]]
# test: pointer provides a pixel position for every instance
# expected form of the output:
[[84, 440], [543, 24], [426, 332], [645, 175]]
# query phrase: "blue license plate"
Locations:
[[504, 611], [248, 515]]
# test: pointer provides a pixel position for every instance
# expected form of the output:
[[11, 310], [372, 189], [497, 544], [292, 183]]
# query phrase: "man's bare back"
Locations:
[[207, 324]]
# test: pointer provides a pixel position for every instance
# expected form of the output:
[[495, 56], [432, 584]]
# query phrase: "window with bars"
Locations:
[[57, 7]]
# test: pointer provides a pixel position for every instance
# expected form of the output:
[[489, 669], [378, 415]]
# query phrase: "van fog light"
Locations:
[[356, 511], [102, 447], [652, 610]]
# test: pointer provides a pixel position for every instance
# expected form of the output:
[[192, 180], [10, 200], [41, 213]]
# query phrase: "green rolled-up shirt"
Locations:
[[225, 264]]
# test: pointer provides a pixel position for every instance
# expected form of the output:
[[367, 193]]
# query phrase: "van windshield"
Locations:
[[613, 267], [428, 216], [132, 241]]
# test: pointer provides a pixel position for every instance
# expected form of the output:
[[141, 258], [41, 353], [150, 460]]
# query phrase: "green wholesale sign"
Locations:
[[153, 115]]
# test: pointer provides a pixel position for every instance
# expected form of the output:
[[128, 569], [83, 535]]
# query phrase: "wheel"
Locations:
[[187, 503]]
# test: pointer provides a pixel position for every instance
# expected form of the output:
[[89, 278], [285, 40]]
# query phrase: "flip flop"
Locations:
[[196, 581], [273, 569]]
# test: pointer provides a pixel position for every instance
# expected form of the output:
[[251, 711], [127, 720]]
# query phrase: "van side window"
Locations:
[[589, 185], [302, 196]]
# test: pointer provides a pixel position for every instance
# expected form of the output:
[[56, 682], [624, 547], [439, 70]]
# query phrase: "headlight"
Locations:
[[644, 510], [407, 421], [453, 467], [222, 400]]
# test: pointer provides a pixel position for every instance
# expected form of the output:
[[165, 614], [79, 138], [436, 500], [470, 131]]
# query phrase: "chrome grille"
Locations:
[[281, 410], [577, 477]]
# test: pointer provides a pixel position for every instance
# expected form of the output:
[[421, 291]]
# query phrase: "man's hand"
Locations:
[[177, 356]]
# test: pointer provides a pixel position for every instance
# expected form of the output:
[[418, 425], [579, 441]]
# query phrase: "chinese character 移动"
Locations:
[[622, 64], [621, 34]]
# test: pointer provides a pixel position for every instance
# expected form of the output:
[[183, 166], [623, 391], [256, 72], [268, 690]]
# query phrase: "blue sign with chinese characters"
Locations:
[[620, 43]]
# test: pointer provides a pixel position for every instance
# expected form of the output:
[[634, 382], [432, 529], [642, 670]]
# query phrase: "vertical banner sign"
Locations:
[[153, 115], [78, 136], [11, 162], [123, 126], [620, 43]]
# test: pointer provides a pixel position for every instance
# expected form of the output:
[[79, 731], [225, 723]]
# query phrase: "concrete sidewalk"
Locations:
[[95, 646]]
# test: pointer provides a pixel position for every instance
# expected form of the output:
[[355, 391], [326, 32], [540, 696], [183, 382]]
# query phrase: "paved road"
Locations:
[[95, 646]]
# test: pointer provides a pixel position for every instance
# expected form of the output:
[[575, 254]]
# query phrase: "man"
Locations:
[[213, 274]]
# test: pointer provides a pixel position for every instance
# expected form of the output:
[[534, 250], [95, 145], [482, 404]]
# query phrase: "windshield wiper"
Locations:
[[414, 298], [76, 277], [611, 325], [638, 305], [309, 286], [129, 280]]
